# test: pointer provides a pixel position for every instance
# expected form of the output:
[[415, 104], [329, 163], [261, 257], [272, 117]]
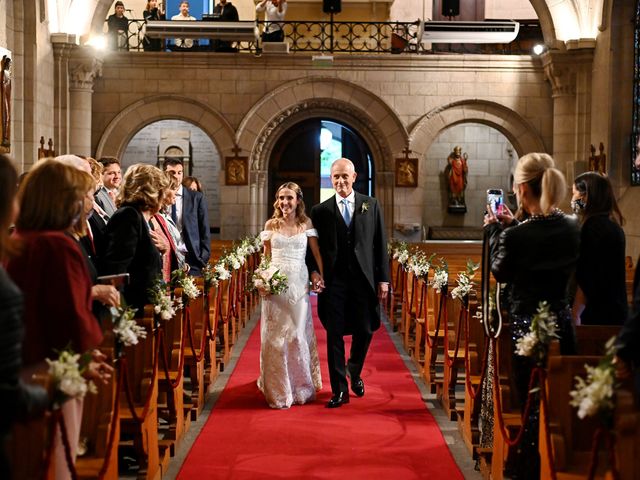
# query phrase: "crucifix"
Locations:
[[236, 168]]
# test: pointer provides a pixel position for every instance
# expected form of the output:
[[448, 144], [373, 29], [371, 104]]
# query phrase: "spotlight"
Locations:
[[538, 49], [98, 42]]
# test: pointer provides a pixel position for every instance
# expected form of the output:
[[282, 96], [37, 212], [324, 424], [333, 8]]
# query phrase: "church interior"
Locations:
[[432, 118]]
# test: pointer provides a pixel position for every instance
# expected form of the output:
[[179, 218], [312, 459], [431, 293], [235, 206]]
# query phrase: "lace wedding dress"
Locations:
[[289, 365]]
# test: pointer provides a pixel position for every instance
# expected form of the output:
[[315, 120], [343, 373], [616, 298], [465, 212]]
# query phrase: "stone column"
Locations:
[[63, 45], [83, 69], [570, 75]]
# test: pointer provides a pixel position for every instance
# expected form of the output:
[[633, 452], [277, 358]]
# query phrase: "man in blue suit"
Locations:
[[190, 215]]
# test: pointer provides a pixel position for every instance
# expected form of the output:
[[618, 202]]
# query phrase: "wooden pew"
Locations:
[[194, 353], [139, 429], [627, 429]]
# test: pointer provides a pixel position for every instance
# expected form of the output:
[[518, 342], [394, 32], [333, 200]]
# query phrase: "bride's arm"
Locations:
[[315, 250], [266, 252]]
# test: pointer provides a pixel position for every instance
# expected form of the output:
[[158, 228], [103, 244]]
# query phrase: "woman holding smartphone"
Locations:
[[536, 257]]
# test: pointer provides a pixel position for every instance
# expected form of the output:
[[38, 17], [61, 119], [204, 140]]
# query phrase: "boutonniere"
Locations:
[[365, 207]]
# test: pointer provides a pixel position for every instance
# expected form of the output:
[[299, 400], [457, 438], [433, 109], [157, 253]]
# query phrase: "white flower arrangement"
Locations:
[[221, 272], [542, 331], [364, 208], [126, 330], [595, 394], [464, 281], [440, 276], [163, 305], [267, 277], [66, 373], [233, 261], [187, 283], [419, 264], [400, 252]]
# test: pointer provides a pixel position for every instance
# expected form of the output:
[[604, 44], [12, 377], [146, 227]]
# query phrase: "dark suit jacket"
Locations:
[[195, 229], [104, 200], [370, 245], [131, 250]]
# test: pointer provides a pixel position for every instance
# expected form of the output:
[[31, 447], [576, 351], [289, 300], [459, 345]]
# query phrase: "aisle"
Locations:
[[388, 433]]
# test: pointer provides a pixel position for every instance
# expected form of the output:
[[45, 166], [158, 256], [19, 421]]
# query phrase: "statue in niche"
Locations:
[[5, 96], [456, 173]]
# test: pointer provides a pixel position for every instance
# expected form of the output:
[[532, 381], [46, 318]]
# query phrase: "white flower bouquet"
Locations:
[[268, 278], [440, 276], [234, 261], [187, 283], [125, 328], [595, 394], [163, 305], [66, 373], [401, 253], [542, 331], [419, 264], [465, 281]]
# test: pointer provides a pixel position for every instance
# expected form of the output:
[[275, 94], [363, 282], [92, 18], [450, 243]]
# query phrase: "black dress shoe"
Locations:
[[357, 387], [338, 400]]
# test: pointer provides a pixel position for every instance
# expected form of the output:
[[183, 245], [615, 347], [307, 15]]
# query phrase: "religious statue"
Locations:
[[598, 163], [456, 176], [5, 96]]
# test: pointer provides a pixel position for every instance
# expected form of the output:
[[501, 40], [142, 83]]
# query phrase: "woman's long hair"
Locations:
[[301, 216], [599, 196], [546, 182], [8, 190], [142, 187]]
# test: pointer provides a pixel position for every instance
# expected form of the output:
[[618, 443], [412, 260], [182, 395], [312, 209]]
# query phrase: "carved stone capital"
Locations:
[[82, 73], [563, 68]]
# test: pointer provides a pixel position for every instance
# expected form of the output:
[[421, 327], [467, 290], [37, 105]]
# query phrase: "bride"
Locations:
[[289, 365]]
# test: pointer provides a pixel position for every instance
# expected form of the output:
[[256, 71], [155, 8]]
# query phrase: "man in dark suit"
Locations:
[[356, 277], [190, 215]]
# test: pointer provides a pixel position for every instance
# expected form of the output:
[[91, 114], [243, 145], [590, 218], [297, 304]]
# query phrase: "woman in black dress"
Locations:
[[536, 257], [152, 12], [601, 296]]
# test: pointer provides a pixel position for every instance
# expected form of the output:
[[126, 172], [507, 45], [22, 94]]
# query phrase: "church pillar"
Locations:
[[570, 74], [63, 44], [384, 195], [258, 191], [82, 72]]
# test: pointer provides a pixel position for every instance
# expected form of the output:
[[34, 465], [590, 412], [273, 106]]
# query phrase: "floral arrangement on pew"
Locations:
[[465, 282], [595, 395], [268, 278], [542, 331], [440, 276], [125, 328], [66, 373], [400, 252], [419, 264], [181, 279], [163, 305], [213, 274]]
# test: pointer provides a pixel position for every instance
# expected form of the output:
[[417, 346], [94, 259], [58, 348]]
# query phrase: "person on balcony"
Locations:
[[152, 12], [274, 13], [183, 43], [224, 12], [118, 26]]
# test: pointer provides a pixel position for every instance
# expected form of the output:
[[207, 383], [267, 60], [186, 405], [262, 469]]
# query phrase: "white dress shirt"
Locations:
[[179, 198], [272, 15]]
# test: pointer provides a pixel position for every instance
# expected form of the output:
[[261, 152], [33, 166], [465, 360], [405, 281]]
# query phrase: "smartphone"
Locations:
[[495, 200], [117, 280]]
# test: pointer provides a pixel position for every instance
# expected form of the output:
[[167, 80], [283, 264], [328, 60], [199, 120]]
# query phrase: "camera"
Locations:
[[495, 200]]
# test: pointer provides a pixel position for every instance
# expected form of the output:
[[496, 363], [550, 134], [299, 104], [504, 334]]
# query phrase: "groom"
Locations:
[[356, 275]]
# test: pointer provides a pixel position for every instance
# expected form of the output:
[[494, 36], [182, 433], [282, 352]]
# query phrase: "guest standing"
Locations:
[[152, 12], [536, 257], [118, 26], [601, 297], [275, 11], [18, 401]]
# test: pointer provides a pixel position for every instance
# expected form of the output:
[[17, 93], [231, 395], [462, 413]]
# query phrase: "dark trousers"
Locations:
[[277, 36], [348, 312]]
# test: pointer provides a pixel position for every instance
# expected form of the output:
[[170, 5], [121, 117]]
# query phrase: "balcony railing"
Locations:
[[352, 37]]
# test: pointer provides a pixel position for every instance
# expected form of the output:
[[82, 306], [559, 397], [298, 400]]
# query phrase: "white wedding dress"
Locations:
[[289, 364]]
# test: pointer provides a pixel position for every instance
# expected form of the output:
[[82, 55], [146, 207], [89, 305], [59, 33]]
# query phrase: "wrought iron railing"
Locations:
[[351, 37]]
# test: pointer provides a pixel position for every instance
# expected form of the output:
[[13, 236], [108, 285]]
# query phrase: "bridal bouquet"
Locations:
[[268, 277], [66, 373], [542, 331], [595, 394]]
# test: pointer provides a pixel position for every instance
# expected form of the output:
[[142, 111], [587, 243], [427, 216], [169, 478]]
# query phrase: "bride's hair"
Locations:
[[301, 216]]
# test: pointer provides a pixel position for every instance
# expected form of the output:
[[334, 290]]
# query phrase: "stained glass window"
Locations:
[[635, 134]]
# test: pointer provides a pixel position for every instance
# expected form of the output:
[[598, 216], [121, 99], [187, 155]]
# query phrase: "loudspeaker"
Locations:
[[450, 8], [331, 6]]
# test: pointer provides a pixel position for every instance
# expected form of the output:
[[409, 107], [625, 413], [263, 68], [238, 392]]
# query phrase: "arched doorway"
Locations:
[[177, 138], [304, 155]]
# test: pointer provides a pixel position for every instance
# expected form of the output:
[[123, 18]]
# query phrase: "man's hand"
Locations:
[[383, 291], [106, 294]]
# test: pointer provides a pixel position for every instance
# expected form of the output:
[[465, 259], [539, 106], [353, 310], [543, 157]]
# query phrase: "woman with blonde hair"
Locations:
[[536, 257], [289, 365], [52, 273], [132, 244]]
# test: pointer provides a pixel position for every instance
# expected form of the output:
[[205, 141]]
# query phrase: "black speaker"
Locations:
[[331, 6], [450, 8]]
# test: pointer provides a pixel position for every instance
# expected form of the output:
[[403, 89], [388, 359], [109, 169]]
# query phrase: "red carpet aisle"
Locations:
[[388, 433]]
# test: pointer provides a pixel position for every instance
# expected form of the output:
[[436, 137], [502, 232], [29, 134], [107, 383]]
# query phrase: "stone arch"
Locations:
[[129, 121], [314, 97], [546, 23], [518, 130], [100, 14], [311, 97]]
